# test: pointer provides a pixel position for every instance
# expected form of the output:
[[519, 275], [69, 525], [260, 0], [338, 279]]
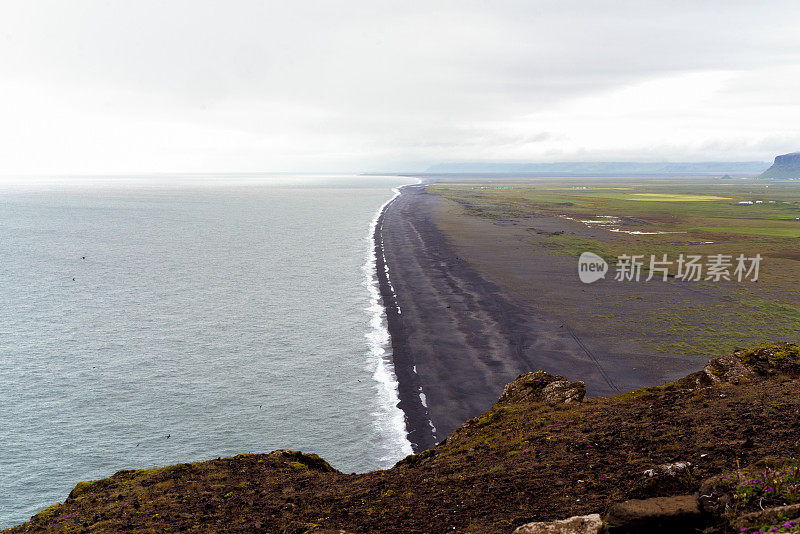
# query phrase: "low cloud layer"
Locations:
[[212, 86]]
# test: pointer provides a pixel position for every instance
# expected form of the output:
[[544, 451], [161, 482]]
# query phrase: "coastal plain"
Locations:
[[459, 333], [527, 236], [481, 283]]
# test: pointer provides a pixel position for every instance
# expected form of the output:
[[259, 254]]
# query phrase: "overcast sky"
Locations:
[[235, 85]]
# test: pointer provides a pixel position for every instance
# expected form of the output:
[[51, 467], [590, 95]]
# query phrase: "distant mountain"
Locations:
[[604, 167], [785, 166]]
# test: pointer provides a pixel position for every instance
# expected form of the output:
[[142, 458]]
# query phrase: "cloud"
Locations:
[[199, 85]]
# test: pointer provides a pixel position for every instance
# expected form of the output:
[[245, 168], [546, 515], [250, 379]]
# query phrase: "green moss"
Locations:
[[492, 416], [414, 459], [81, 488], [48, 513], [309, 460], [299, 466], [784, 356], [175, 468]]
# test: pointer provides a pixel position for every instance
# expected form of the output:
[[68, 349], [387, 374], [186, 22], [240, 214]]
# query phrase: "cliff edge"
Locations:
[[785, 166], [542, 453]]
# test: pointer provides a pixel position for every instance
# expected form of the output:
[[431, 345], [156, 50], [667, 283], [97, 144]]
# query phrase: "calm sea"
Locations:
[[151, 320]]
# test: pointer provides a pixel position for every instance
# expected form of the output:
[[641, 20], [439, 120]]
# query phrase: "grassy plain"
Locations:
[[554, 218]]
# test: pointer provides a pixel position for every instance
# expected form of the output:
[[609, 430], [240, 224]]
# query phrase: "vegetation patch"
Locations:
[[751, 230], [664, 197]]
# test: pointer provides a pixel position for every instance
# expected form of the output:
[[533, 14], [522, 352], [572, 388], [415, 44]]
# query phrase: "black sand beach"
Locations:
[[458, 337]]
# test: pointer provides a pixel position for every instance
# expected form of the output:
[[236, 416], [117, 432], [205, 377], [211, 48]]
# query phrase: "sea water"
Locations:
[[151, 320]]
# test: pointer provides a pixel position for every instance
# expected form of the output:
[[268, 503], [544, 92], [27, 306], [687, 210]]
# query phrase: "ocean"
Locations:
[[151, 320]]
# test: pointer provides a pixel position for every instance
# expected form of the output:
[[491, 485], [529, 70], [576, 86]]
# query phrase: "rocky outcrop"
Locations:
[[582, 524], [542, 387], [785, 166], [742, 366], [729, 368], [537, 387], [665, 479], [302, 460]]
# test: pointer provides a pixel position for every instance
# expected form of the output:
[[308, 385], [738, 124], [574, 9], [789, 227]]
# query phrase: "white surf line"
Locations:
[[386, 271], [423, 399], [390, 419]]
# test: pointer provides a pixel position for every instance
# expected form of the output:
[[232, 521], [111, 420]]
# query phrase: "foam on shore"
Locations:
[[389, 419]]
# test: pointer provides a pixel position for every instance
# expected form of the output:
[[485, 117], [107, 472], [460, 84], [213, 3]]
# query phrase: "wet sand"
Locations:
[[458, 337]]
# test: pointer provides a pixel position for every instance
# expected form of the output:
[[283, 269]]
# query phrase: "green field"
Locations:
[[665, 197], [700, 208], [655, 216], [752, 230]]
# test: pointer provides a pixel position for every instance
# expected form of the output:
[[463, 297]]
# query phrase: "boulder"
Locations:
[[729, 368], [672, 470], [542, 387], [563, 391], [656, 515], [665, 478], [745, 366], [582, 524]]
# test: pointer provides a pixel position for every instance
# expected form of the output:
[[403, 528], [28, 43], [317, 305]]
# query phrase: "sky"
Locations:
[[120, 86]]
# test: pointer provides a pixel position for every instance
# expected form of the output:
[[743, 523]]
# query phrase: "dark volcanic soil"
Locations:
[[457, 337]]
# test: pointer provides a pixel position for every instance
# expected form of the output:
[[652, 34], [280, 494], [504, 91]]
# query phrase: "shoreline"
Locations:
[[379, 342], [417, 421], [458, 337]]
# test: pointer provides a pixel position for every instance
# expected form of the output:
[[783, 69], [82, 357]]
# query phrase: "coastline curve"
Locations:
[[390, 418], [412, 401]]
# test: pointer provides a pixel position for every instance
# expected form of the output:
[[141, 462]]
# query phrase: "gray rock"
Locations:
[[729, 368], [582, 524], [563, 391], [664, 479], [672, 470], [543, 387]]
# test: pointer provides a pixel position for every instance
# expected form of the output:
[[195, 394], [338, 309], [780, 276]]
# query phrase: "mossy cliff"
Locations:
[[541, 453]]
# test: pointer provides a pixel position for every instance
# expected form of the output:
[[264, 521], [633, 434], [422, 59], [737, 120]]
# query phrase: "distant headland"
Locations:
[[605, 167], [785, 166]]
